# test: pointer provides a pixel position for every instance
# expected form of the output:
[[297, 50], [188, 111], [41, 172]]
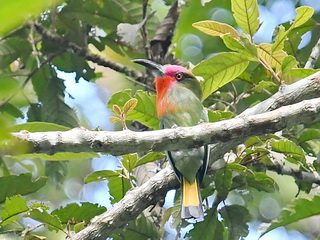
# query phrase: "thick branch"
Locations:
[[315, 53], [123, 142], [133, 203]]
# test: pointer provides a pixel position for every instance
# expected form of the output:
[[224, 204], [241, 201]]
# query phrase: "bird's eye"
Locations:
[[179, 76]]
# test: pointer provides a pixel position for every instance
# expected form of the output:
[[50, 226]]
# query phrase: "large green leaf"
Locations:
[[144, 112], [22, 183], [235, 218], [150, 157], [141, 228], [223, 181], [299, 209], [219, 70], [246, 14], [118, 188], [309, 134], [15, 13], [12, 207], [214, 28], [38, 127], [287, 147], [210, 228], [78, 213]]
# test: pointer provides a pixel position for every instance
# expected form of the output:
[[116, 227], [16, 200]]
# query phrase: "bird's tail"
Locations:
[[191, 205]]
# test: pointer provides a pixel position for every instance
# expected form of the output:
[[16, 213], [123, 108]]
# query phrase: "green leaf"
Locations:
[[12, 207], [302, 72], [60, 156], [78, 213], [22, 183], [38, 127], [44, 217], [144, 112], [262, 182], [8, 86], [130, 105], [101, 176], [235, 45], [246, 14], [223, 181], [217, 29], [274, 59], [304, 13], [12, 48], [265, 85], [280, 39], [219, 70], [309, 134], [299, 209], [140, 228], [150, 157], [129, 161], [215, 116], [114, 119], [50, 91], [118, 187], [235, 218], [210, 228], [288, 63], [22, 11], [11, 109], [287, 147]]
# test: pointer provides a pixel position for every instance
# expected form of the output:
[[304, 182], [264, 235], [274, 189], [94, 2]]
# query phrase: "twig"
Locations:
[[84, 52], [313, 56]]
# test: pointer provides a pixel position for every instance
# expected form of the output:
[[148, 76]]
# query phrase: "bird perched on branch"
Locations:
[[179, 104]]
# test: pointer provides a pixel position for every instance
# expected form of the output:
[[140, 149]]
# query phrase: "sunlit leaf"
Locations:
[[288, 147], [118, 188], [219, 70], [12, 207], [299, 209], [302, 72], [214, 28], [23, 184], [144, 112], [304, 13], [116, 109], [130, 105], [246, 14], [114, 119], [274, 59], [288, 63]]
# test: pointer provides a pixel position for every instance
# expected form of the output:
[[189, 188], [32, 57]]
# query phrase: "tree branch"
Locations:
[[123, 142], [133, 203], [313, 56]]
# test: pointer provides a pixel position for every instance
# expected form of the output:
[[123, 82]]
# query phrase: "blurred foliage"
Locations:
[[237, 72]]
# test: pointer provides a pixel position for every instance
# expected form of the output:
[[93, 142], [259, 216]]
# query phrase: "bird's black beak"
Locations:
[[151, 65]]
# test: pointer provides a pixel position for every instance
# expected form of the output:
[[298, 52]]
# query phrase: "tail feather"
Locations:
[[191, 206]]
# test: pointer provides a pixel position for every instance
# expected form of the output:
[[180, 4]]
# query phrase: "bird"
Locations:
[[178, 104]]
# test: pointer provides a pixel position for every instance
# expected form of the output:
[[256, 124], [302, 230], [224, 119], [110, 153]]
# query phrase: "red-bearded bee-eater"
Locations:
[[179, 104]]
